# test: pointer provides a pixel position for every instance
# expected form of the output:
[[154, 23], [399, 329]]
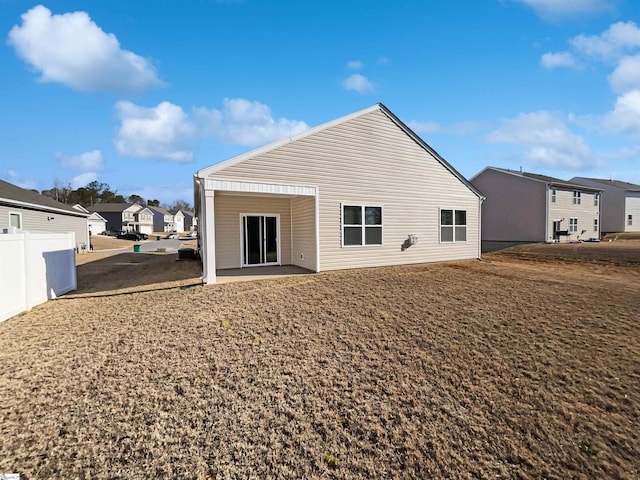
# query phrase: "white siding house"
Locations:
[[28, 210], [526, 207], [360, 191], [620, 203]]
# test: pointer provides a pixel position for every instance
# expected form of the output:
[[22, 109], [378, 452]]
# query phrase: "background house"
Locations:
[[95, 222], [526, 207], [360, 191], [163, 220], [28, 210], [119, 216], [620, 203], [144, 217]]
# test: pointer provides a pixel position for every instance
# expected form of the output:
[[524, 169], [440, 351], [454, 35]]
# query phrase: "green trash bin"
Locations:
[[158, 237], [136, 248]]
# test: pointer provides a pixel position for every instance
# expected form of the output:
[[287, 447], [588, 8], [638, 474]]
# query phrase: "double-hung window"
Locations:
[[15, 220], [629, 220], [595, 224], [453, 225], [576, 198], [553, 195], [573, 225], [361, 225], [596, 199]]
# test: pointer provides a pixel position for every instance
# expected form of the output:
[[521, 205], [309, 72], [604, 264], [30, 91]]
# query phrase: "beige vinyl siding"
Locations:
[[228, 209], [369, 160], [303, 232], [36, 220], [564, 209], [632, 207]]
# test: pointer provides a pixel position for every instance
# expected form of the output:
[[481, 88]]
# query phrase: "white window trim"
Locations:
[[595, 225], [466, 225], [573, 226], [19, 214], [363, 225], [553, 195], [629, 220], [596, 200], [577, 197]]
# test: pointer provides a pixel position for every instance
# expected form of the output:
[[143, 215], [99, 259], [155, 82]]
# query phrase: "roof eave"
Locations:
[[35, 206]]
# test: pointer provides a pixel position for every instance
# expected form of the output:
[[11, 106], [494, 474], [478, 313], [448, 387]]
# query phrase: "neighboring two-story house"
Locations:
[[525, 207], [620, 203], [163, 220], [144, 217], [119, 216]]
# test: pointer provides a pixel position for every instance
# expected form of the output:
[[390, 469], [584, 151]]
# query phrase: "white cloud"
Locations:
[[626, 76], [166, 131], [554, 10], [561, 59], [625, 116], [547, 140], [14, 177], [358, 83], [162, 132], [85, 161], [618, 39], [354, 64], [245, 122], [83, 179], [424, 128], [71, 49]]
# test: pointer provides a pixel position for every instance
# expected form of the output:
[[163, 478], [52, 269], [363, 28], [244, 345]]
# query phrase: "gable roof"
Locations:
[[626, 186], [13, 195], [110, 207], [160, 210], [311, 131], [536, 177]]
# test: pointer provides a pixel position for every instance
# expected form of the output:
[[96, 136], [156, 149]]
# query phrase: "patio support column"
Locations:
[[209, 241]]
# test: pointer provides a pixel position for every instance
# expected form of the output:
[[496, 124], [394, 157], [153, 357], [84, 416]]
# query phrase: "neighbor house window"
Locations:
[[595, 224], [361, 225], [596, 199], [573, 225], [453, 225], [553, 195], [15, 220], [576, 198], [629, 219]]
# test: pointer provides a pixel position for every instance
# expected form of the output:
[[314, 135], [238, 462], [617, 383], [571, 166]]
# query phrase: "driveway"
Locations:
[[170, 245]]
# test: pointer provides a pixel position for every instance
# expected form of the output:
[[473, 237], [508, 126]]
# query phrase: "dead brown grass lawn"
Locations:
[[501, 369]]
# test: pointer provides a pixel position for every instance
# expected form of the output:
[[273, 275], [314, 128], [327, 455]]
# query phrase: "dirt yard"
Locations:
[[519, 366]]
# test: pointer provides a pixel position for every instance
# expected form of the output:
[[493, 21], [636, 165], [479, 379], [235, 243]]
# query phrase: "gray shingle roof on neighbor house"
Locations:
[[14, 195], [546, 179], [161, 210], [629, 187], [110, 207]]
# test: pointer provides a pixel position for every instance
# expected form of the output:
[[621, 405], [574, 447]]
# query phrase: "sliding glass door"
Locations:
[[260, 240]]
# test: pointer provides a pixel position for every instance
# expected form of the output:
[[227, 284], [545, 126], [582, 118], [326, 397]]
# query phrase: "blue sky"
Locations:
[[142, 94]]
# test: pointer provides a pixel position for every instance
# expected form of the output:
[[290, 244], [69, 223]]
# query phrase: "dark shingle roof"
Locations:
[[161, 210], [630, 187], [109, 207], [14, 195], [553, 181]]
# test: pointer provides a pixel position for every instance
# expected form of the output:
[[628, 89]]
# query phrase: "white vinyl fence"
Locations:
[[34, 267]]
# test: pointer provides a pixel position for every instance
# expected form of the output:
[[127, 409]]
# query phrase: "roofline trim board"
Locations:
[[35, 206]]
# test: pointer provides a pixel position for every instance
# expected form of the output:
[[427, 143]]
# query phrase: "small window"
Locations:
[[596, 199], [573, 225], [595, 224], [576, 198], [553, 195], [629, 220], [453, 226], [15, 220], [361, 225]]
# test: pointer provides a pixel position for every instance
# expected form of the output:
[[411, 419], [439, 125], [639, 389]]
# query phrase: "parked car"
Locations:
[[143, 236], [113, 233], [172, 236], [192, 234], [129, 236]]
